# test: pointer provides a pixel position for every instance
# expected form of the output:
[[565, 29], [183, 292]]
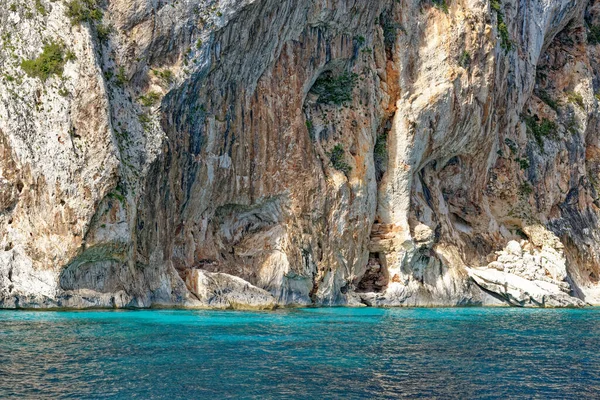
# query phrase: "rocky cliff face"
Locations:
[[262, 153]]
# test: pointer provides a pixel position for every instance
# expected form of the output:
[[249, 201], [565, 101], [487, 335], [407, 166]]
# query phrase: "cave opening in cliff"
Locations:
[[376, 276]]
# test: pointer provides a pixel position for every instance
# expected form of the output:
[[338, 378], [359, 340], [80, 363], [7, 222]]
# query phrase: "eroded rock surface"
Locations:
[[219, 290], [388, 153], [529, 277]]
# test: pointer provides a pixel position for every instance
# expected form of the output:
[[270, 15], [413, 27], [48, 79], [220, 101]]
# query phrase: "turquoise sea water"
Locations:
[[304, 353]]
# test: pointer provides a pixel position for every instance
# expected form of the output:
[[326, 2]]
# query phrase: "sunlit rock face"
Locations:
[[262, 153]]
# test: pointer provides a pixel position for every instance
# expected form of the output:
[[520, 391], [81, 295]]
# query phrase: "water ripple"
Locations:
[[301, 354]]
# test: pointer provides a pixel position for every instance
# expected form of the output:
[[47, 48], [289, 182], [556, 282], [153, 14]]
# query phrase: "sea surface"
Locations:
[[317, 353]]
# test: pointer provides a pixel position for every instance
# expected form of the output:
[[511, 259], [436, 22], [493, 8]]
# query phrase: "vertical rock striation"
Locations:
[[254, 153]]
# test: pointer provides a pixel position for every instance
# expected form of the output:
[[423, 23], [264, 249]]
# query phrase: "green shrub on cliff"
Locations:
[[594, 34], [80, 11], [390, 30], [505, 41], [50, 62], [496, 5], [149, 99], [40, 8], [121, 77], [541, 129], [337, 157], [380, 150], [523, 162], [166, 76], [546, 98], [103, 32], [380, 154], [465, 59], [576, 98], [525, 189], [335, 89], [441, 5]]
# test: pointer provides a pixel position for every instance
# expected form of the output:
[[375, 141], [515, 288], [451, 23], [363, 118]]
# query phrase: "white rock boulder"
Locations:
[[220, 290], [514, 248], [519, 291]]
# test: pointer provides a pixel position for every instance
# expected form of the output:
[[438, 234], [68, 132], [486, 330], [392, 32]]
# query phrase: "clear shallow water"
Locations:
[[306, 353]]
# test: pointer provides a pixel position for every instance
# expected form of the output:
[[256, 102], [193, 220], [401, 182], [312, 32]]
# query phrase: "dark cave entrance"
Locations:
[[376, 277]]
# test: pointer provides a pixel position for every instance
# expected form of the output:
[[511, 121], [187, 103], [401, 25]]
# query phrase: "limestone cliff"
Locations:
[[262, 153]]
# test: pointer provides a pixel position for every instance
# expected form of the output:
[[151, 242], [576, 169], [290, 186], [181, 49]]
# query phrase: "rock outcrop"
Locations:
[[219, 290], [261, 153], [528, 278]]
